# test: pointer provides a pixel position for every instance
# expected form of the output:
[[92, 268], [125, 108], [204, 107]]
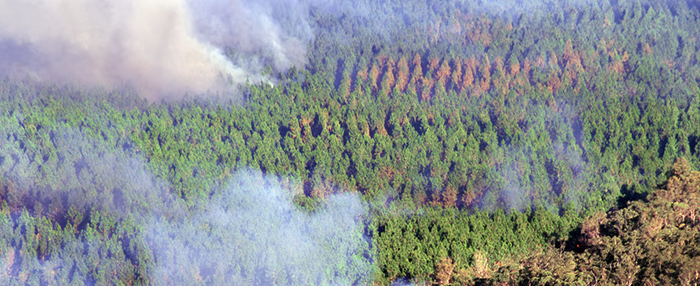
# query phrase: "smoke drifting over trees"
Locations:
[[249, 232], [252, 234], [162, 48], [277, 31], [556, 168]]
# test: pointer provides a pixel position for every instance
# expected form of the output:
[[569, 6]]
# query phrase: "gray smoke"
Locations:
[[163, 48]]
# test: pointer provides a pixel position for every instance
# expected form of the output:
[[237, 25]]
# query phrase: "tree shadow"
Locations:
[[630, 194]]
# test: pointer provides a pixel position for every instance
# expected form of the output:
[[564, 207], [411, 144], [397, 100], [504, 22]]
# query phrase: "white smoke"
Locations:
[[278, 29], [253, 234]]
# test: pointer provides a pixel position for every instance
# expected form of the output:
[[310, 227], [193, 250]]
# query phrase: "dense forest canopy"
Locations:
[[374, 142]]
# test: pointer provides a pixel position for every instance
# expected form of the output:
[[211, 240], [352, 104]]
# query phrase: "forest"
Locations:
[[436, 142]]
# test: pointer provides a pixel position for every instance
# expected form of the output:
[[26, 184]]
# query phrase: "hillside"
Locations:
[[461, 143]]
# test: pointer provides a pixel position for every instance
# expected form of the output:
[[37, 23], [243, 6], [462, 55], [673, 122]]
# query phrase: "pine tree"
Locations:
[[457, 73], [374, 76], [485, 72], [469, 68], [388, 79], [444, 72], [433, 64], [514, 66], [403, 74], [416, 82]]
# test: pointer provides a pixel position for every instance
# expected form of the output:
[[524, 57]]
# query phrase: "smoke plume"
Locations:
[[277, 31], [162, 48]]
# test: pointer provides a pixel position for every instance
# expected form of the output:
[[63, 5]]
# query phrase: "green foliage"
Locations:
[[643, 243], [478, 139]]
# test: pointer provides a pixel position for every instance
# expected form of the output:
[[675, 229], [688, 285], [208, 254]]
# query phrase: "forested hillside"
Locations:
[[432, 142], [647, 242]]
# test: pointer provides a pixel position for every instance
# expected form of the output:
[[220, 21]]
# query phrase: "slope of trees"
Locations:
[[646, 242], [479, 140]]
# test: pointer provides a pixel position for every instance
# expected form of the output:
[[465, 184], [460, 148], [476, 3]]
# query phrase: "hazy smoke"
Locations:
[[248, 233], [252, 234], [553, 170], [85, 172], [160, 47], [402, 282], [276, 30]]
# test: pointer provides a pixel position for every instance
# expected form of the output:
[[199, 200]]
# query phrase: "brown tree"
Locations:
[[573, 64], [403, 74], [388, 79], [457, 73], [374, 75], [449, 197], [513, 66], [444, 72], [417, 74], [469, 68], [485, 72], [433, 63], [444, 270]]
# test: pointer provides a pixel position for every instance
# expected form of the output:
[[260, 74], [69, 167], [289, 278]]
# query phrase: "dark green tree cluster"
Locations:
[[421, 246]]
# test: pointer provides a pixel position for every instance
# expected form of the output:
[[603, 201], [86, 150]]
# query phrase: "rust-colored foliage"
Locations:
[[553, 83], [444, 72], [403, 74], [374, 75], [485, 71], [363, 74], [468, 198], [417, 74], [449, 197], [444, 270], [514, 67], [478, 31], [469, 68], [457, 72], [433, 64], [572, 63], [388, 80]]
